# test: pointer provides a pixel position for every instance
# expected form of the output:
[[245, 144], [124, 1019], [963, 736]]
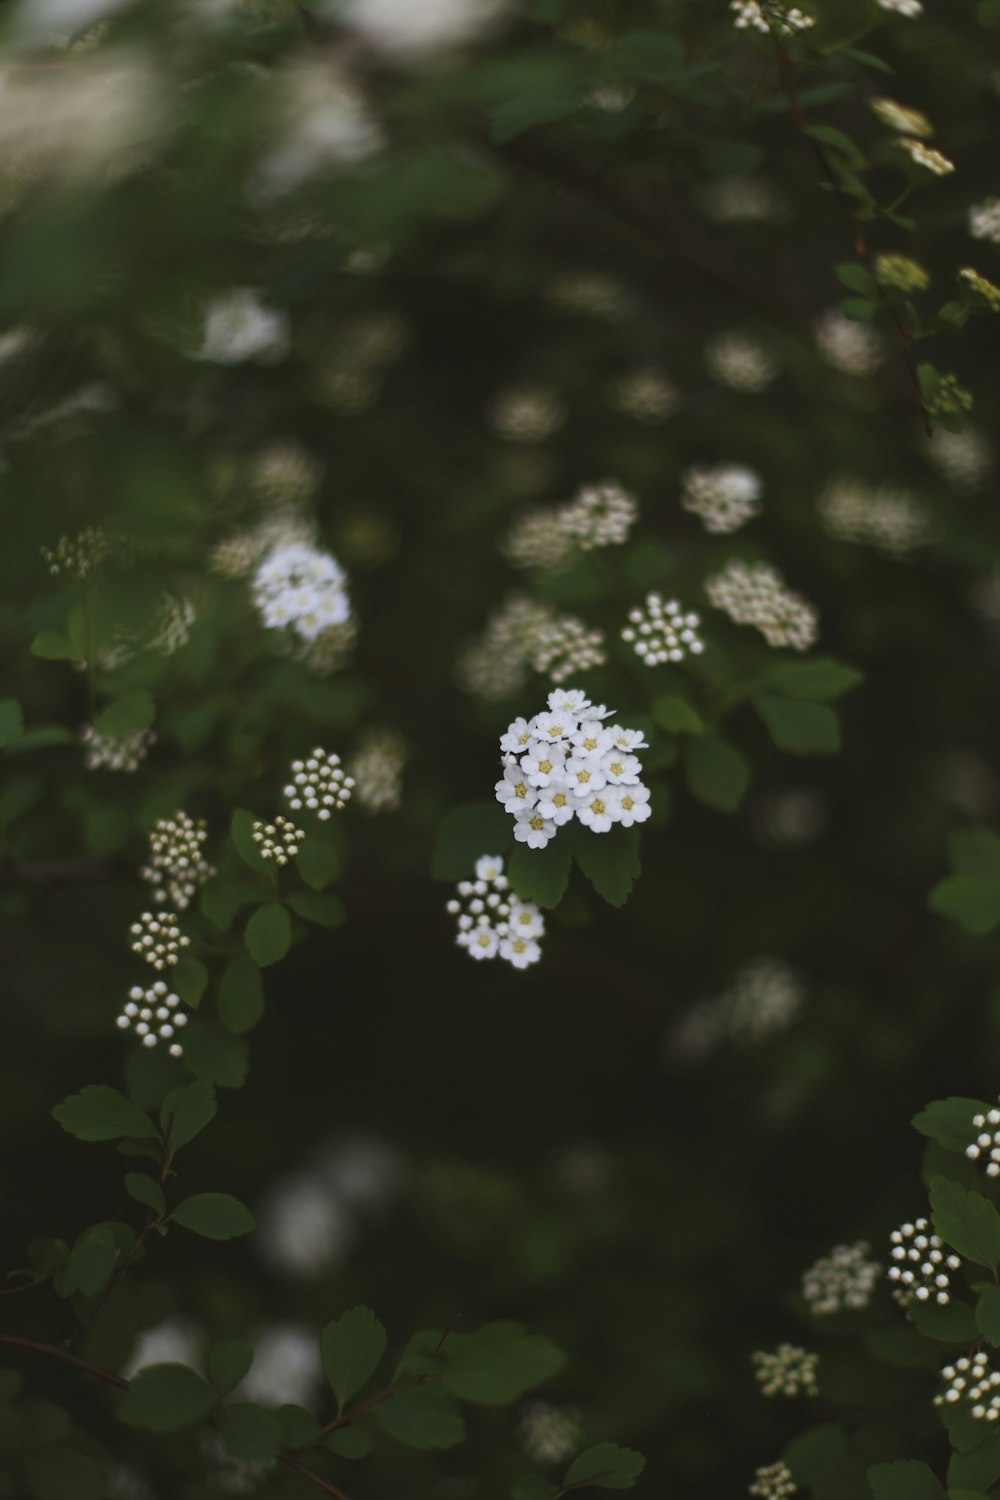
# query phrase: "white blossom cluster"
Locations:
[[591, 294], [284, 474], [854, 348], [845, 1278], [567, 763], [763, 998], [493, 923], [176, 865], [909, 8], [166, 629], [659, 631], [549, 1434], [110, 752], [787, 1371], [77, 556], [157, 938], [600, 515], [987, 1142], [984, 220], [240, 327], [411, 31], [154, 1015], [538, 542], [755, 594], [902, 117], [927, 157], [323, 121], [964, 458], [741, 361], [376, 769], [971, 1379], [563, 646], [773, 1482], [645, 394], [278, 841], [723, 496], [497, 663], [891, 519], [743, 200], [299, 586], [319, 784], [769, 16], [920, 1265], [527, 414]]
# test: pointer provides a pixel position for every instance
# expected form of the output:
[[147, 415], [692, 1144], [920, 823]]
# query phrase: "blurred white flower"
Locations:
[[239, 327], [176, 1341], [286, 1366], [411, 29]]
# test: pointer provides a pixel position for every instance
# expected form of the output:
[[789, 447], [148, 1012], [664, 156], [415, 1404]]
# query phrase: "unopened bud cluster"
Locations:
[[319, 784], [890, 519], [278, 841], [769, 16], [724, 497], [549, 1434], [788, 1371], [527, 414], [986, 1145], [741, 361], [971, 1380], [600, 515], [176, 865], [76, 556], [755, 594], [377, 770], [660, 631], [843, 1279], [492, 922], [154, 1015], [773, 1482], [646, 395], [157, 938], [109, 752], [920, 1270], [564, 646]]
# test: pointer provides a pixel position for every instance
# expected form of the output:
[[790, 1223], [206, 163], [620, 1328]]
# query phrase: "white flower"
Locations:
[[564, 701], [724, 497], [319, 784], [556, 803], [584, 774], [525, 919], [158, 938], [412, 29], [376, 769], [773, 1482], [296, 584], [553, 727], [154, 1015], [621, 769], [492, 923], [115, 753], [238, 327], [909, 8], [883, 516], [927, 157], [757, 596], [532, 829], [770, 15], [984, 220], [598, 810], [520, 951], [592, 739], [482, 942], [176, 866], [972, 1379], [855, 348], [514, 791], [628, 739], [489, 867], [741, 361], [845, 1278], [633, 804], [518, 735], [543, 763], [788, 1371]]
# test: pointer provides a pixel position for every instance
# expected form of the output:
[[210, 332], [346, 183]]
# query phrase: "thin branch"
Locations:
[[26, 1286], [54, 1352], [314, 1478]]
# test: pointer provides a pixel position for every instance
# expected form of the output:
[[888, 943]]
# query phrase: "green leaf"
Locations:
[[215, 1216], [228, 1363], [350, 1442], [970, 901], [606, 1466], [464, 834], [799, 727], [499, 1363], [950, 1121], [858, 309], [298, 1427], [531, 1487], [164, 1398], [527, 110], [610, 862], [220, 900], [327, 911], [988, 1314], [829, 135], [966, 1221], [977, 1469], [906, 1479], [146, 1190], [716, 773], [541, 875], [857, 279], [92, 1260], [954, 1323], [675, 714], [867, 59], [352, 1347], [318, 861], [101, 1113], [53, 647], [250, 1433], [240, 999], [11, 721], [423, 1417], [651, 55], [186, 1111], [214, 1055], [127, 716], [59, 1471], [241, 830], [189, 978], [268, 934]]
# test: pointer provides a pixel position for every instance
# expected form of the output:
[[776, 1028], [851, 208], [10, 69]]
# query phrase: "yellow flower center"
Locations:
[[559, 799], [597, 806], [583, 777], [616, 768], [520, 789], [628, 803], [545, 766], [537, 822], [590, 744], [519, 945]]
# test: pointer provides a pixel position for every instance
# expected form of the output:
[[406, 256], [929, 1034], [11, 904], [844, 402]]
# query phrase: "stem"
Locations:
[[26, 1286], [316, 1479], [362, 1407], [54, 1352]]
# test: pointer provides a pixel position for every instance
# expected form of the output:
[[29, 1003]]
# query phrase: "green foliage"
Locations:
[[324, 910], [164, 1398], [716, 773], [800, 727], [966, 1221], [499, 1363], [216, 1216], [130, 714], [185, 1112], [240, 997], [971, 897], [250, 1433], [146, 1190], [949, 1121], [228, 1363], [611, 863], [11, 721], [268, 934], [542, 875], [604, 1467], [352, 1347], [101, 1113], [464, 834], [988, 1314], [425, 1416], [906, 1479]]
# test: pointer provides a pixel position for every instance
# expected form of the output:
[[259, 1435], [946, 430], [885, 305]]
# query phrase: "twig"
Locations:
[[314, 1478], [55, 1352]]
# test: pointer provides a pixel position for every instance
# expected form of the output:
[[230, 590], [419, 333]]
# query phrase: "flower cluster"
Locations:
[[279, 840], [527, 414], [763, 998], [927, 157], [319, 784], [538, 542], [154, 1015], [891, 519], [496, 664], [902, 117], [901, 272], [601, 515], [909, 8], [743, 200], [950, 397], [659, 631], [723, 496], [110, 752], [644, 394], [377, 770], [238, 327], [981, 286], [843, 1279], [987, 1142], [971, 1379], [563, 646], [76, 556], [591, 294], [297, 585], [920, 1265], [158, 939], [285, 474], [854, 348], [411, 32], [984, 220], [964, 458], [756, 595], [768, 16], [176, 865], [788, 1371], [567, 763], [493, 923], [741, 361], [549, 1434], [773, 1482]]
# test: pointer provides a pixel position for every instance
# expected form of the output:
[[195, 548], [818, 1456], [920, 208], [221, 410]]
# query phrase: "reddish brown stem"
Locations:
[[54, 1352], [314, 1478]]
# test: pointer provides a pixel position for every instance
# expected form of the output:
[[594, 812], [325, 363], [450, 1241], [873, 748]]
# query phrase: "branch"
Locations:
[[54, 1352], [314, 1478]]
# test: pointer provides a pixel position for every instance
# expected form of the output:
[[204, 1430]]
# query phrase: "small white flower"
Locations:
[[591, 740], [584, 774], [557, 803], [633, 804], [553, 727], [525, 919], [520, 951], [843, 1279], [909, 8], [238, 327], [724, 497], [565, 701], [621, 769], [489, 867], [598, 811], [493, 923], [482, 942], [543, 763], [628, 739], [514, 791], [518, 735], [532, 829]]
